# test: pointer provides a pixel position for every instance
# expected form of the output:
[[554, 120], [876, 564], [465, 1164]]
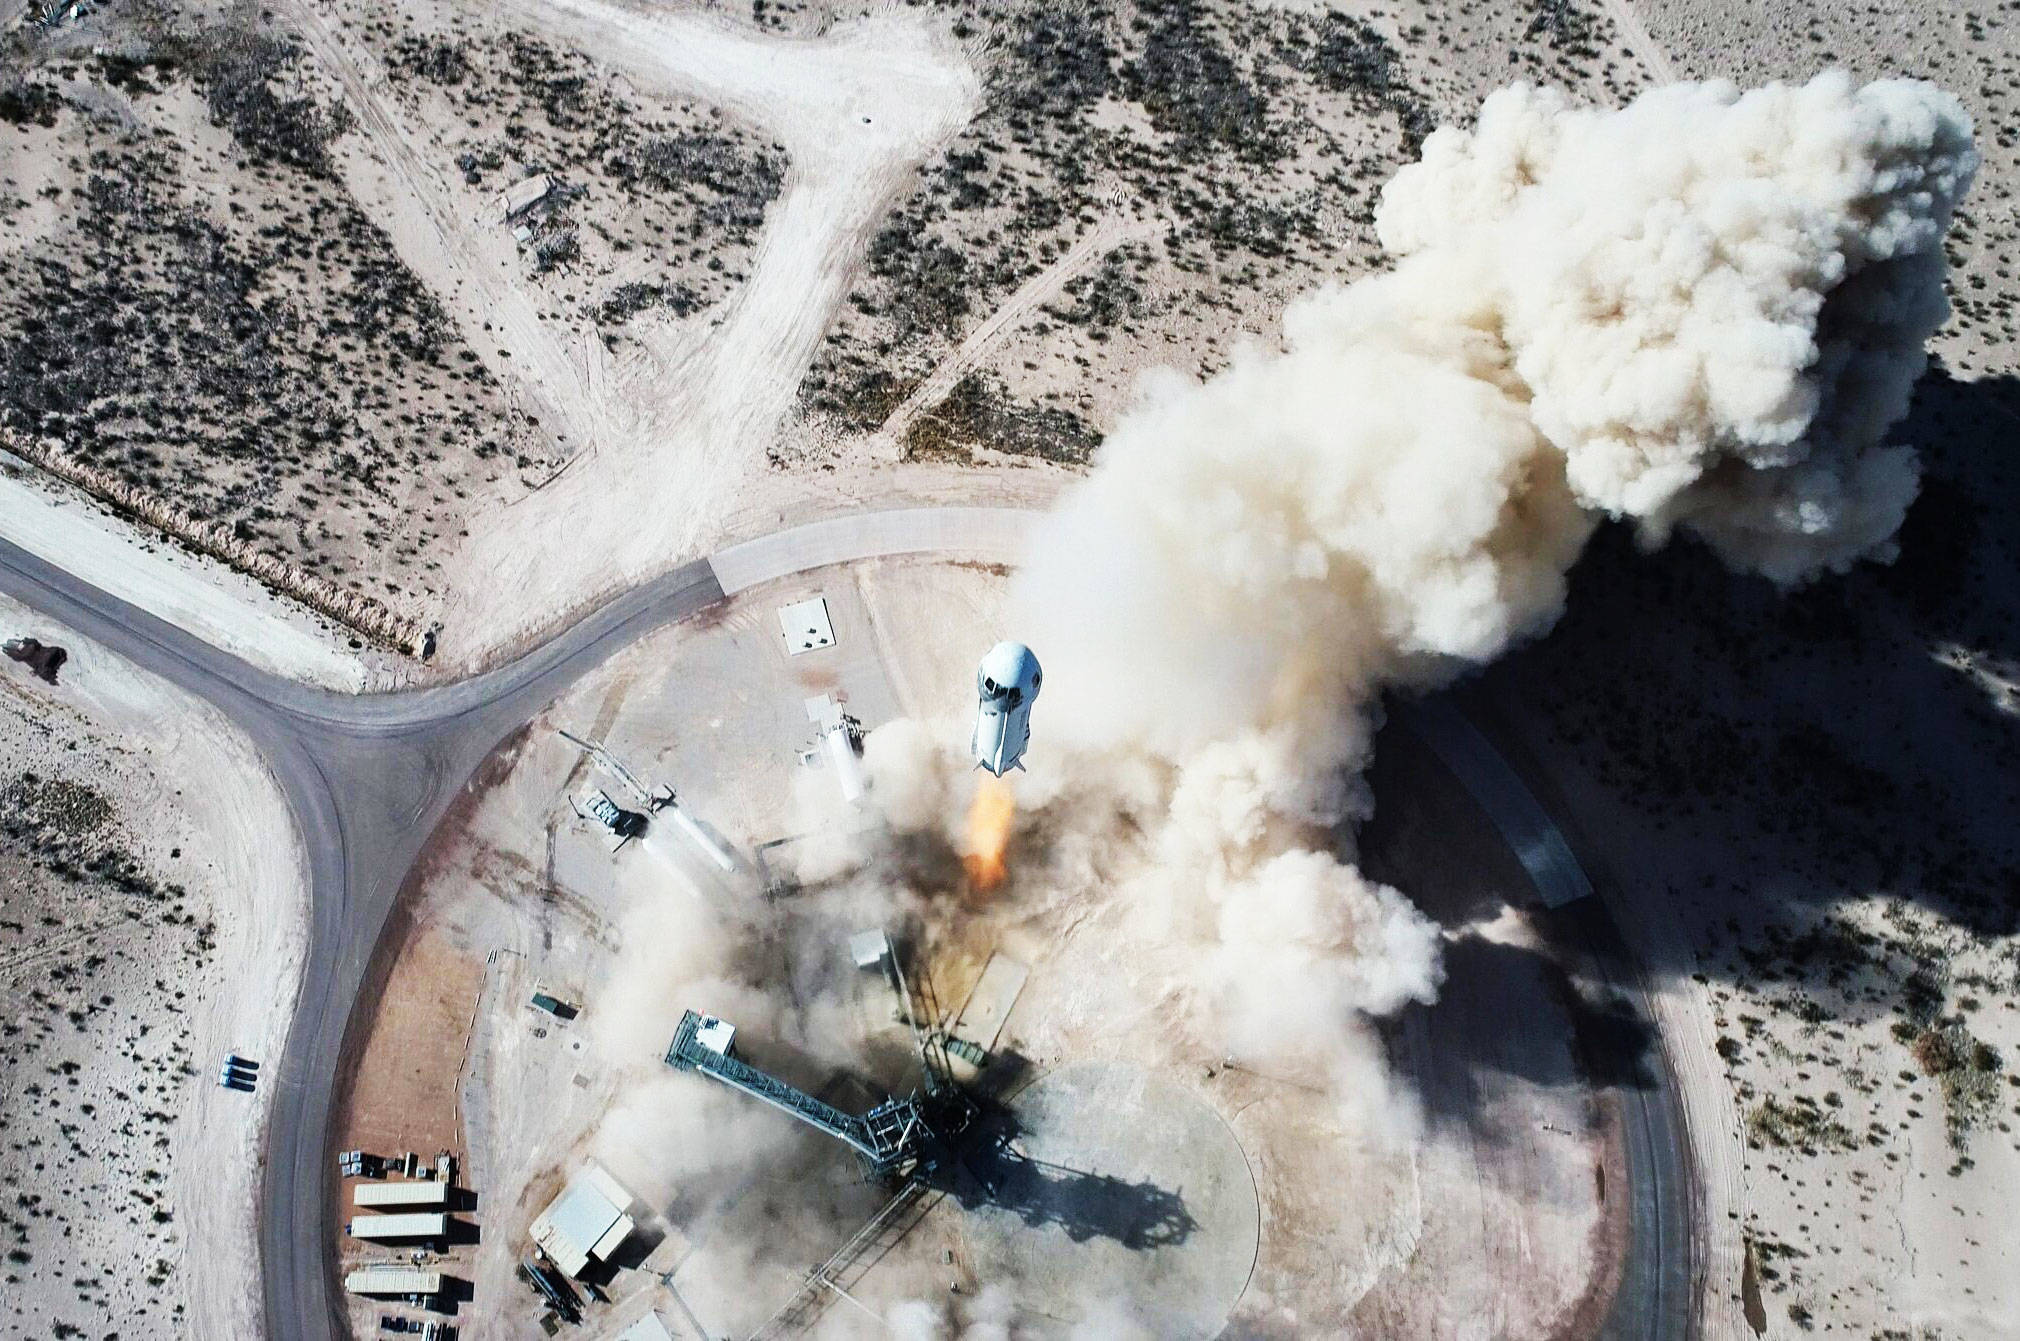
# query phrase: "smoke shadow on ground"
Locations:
[[1776, 753], [989, 1169], [1514, 1012], [455, 1293], [1428, 838], [1508, 1010]]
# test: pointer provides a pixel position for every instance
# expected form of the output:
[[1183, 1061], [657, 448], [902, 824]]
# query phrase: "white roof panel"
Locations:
[[600, 1179], [393, 1280], [647, 1328], [586, 1220], [425, 1226], [420, 1192], [805, 626], [613, 1238]]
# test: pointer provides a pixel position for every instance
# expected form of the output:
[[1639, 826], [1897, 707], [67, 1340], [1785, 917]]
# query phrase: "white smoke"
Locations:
[[1704, 309], [1716, 304]]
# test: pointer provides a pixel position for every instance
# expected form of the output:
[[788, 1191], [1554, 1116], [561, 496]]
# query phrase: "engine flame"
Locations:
[[990, 816]]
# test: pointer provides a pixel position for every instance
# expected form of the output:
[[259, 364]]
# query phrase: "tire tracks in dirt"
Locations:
[[1106, 234], [1639, 41]]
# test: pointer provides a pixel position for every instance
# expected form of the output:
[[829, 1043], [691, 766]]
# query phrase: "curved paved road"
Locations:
[[368, 778], [1653, 1300]]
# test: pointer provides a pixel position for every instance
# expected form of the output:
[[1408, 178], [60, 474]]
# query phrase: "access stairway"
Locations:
[[887, 1137]]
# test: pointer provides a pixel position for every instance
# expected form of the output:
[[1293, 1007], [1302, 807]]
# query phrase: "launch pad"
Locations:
[[1112, 1172], [1106, 1178], [1101, 1169]]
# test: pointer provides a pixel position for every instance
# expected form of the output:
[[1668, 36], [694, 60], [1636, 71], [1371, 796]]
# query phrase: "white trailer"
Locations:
[[422, 1192], [393, 1280], [383, 1227]]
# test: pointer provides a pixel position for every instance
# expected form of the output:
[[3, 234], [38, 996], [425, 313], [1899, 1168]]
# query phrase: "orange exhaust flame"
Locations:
[[989, 820]]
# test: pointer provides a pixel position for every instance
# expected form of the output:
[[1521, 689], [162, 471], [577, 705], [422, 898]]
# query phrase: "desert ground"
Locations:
[[833, 254], [153, 921], [793, 260]]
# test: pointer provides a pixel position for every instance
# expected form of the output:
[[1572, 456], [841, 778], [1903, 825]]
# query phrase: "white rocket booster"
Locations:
[[1006, 683]]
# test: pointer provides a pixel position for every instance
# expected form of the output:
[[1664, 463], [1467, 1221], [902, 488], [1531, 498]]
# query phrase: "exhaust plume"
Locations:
[[1703, 310], [990, 817]]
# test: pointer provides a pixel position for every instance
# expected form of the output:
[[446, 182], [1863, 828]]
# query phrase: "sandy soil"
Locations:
[[855, 110], [684, 403], [213, 318], [1145, 188], [175, 937], [403, 1095]]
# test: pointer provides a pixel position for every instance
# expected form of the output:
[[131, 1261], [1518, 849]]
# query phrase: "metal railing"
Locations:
[[884, 1138]]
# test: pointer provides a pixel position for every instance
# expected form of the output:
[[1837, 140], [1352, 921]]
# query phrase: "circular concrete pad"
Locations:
[[1119, 1194]]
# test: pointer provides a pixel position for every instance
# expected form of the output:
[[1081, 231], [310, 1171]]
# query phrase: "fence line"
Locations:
[[364, 615]]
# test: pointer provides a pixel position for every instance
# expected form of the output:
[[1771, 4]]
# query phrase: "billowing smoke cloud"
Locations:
[[1715, 304], [1705, 309]]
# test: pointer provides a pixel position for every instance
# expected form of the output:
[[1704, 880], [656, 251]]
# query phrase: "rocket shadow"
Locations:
[[988, 1168]]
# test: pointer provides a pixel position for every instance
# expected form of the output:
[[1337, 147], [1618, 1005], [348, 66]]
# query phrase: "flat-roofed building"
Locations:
[[587, 1221], [391, 1279], [421, 1192], [417, 1226], [647, 1328]]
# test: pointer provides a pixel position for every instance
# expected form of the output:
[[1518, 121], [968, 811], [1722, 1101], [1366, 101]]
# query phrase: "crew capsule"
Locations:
[[1005, 684]]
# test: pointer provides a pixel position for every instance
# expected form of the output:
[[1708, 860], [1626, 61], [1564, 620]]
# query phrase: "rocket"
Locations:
[[1005, 683]]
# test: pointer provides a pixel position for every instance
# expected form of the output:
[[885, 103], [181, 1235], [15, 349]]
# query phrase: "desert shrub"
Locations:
[[1797, 1123], [238, 69], [1192, 88], [1566, 26], [1105, 297], [739, 182], [928, 278], [556, 249], [1966, 1068], [23, 102], [1062, 63], [431, 59], [1349, 56], [978, 412]]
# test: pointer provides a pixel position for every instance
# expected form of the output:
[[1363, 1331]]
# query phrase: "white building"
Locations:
[[421, 1192], [587, 1221], [393, 1280], [382, 1227], [523, 195]]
